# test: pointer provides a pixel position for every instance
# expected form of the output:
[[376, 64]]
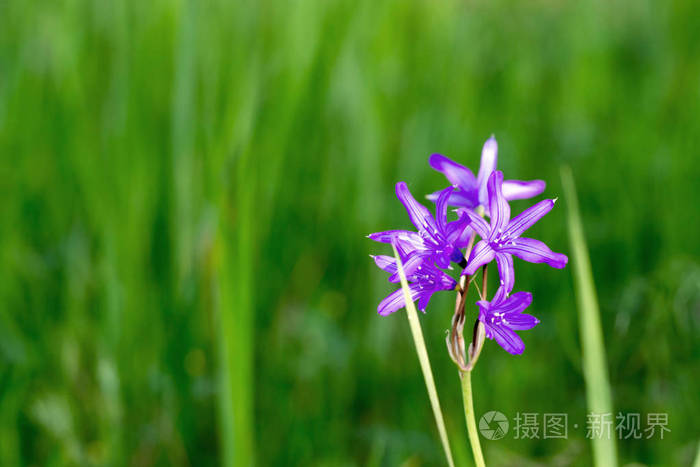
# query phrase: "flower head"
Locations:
[[425, 280], [503, 315], [501, 239], [437, 240], [473, 190]]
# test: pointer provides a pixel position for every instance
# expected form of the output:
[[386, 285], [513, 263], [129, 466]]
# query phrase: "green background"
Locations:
[[185, 193]]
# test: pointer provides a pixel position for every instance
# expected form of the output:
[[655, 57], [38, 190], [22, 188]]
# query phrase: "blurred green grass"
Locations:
[[186, 189]]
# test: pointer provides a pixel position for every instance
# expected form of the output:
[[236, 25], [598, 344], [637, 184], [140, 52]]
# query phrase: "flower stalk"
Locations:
[[465, 371], [466, 380]]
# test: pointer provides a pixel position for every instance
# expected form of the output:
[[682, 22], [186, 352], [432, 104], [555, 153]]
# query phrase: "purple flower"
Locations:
[[425, 280], [502, 238], [437, 240], [504, 315], [472, 190]]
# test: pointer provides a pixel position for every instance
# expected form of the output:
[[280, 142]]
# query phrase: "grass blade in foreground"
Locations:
[[594, 363], [424, 360]]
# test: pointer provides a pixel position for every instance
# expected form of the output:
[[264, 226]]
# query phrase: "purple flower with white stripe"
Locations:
[[503, 315], [425, 280], [502, 239], [472, 190], [437, 240]]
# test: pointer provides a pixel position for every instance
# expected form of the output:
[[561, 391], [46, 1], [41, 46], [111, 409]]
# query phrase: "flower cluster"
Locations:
[[428, 253]]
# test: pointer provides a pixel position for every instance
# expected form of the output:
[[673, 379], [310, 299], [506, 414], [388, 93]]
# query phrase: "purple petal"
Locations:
[[386, 263], [464, 238], [527, 218], [499, 210], [481, 254], [505, 337], [456, 173], [522, 321], [534, 251], [489, 159], [388, 236], [458, 232], [410, 264], [441, 260], [498, 298], [405, 240], [441, 208], [516, 303], [395, 301], [447, 282], [506, 271], [515, 189], [456, 256], [477, 223], [423, 299], [457, 198], [419, 214]]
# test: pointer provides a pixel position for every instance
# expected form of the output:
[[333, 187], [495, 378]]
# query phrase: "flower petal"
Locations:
[[481, 254], [423, 299], [419, 214], [411, 263], [441, 208], [522, 321], [457, 174], [446, 282], [477, 223], [516, 303], [515, 189], [506, 271], [489, 159], [388, 236], [534, 251], [442, 260], [498, 298], [499, 210], [385, 263], [458, 232], [505, 337], [457, 198], [526, 219], [395, 301]]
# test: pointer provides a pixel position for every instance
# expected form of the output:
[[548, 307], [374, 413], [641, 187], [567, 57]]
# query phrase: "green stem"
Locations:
[[466, 378], [424, 361]]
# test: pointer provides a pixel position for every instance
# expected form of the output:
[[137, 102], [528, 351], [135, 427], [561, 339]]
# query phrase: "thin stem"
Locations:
[[478, 289], [424, 360], [466, 378]]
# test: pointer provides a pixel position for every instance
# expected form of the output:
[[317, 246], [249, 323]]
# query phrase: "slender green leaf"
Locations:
[[594, 362]]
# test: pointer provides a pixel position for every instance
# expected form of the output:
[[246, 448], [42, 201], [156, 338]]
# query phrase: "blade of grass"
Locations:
[[697, 458], [235, 330], [424, 360], [595, 370]]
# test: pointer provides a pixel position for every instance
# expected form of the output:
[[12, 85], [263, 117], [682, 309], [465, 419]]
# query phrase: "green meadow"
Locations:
[[186, 187]]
